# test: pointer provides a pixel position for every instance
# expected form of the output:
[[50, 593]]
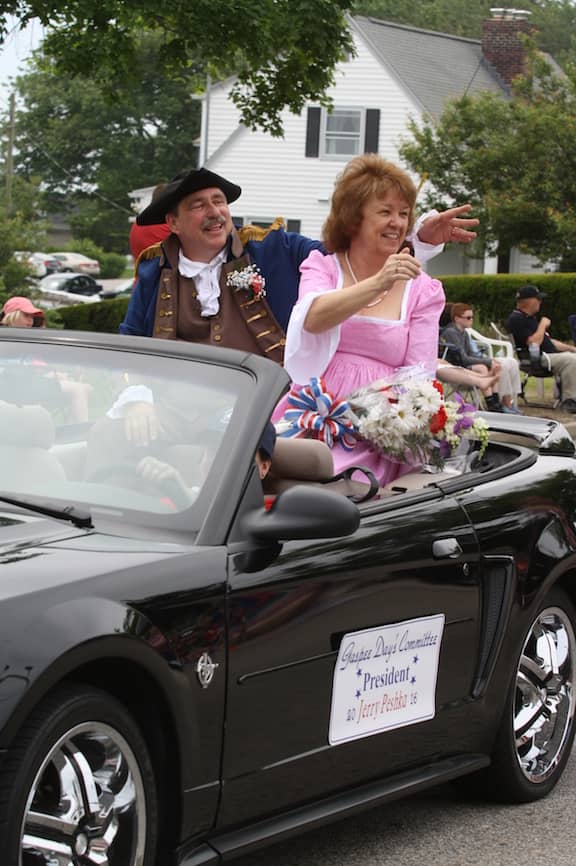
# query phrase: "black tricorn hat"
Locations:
[[181, 186]]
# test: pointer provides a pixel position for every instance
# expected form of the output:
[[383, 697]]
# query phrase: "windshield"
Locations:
[[111, 431], [55, 282]]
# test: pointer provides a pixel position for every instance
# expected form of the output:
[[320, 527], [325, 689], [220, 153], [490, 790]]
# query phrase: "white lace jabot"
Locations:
[[206, 276]]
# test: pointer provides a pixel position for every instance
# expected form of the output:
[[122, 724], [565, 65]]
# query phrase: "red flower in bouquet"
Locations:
[[438, 421]]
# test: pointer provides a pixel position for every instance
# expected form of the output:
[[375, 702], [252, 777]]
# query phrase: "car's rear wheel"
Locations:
[[538, 725], [77, 787]]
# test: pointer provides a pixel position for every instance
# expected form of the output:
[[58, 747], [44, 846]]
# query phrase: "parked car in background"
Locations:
[[188, 675], [40, 264], [77, 263], [122, 289], [71, 288]]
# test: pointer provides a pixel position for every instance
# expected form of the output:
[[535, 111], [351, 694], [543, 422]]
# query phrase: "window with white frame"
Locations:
[[343, 133]]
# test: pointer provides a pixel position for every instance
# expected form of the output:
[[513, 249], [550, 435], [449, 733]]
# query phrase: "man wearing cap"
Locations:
[[209, 283], [529, 331]]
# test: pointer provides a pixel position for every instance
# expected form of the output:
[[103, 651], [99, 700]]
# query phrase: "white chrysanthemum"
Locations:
[[427, 399]]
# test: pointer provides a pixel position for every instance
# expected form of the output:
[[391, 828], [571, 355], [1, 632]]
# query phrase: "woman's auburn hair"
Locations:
[[459, 308], [363, 178]]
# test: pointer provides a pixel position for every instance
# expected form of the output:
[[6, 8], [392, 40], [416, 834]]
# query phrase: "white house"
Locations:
[[398, 73]]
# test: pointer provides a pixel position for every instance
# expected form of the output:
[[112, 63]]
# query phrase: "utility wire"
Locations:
[[94, 192]]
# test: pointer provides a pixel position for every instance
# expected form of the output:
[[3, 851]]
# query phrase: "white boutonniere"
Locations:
[[249, 280]]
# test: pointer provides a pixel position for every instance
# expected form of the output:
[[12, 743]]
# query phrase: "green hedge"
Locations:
[[491, 295], [104, 316]]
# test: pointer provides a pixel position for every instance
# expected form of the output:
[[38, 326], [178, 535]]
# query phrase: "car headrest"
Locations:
[[26, 426], [301, 459]]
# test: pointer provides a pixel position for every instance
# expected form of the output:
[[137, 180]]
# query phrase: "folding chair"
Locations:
[[537, 368], [470, 393]]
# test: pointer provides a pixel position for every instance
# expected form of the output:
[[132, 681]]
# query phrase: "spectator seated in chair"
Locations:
[[531, 333], [501, 395]]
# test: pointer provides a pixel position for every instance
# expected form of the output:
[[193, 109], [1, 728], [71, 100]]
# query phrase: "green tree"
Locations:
[[20, 230], [90, 151], [284, 51], [514, 160]]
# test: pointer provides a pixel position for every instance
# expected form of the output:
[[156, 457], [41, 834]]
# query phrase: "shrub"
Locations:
[[104, 316], [16, 279], [111, 265]]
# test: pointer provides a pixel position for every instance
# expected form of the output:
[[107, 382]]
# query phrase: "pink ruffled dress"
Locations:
[[361, 349]]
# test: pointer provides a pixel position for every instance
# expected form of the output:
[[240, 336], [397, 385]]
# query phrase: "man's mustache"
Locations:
[[213, 221]]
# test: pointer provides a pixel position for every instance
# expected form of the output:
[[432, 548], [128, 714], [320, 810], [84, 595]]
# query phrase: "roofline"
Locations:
[[397, 26]]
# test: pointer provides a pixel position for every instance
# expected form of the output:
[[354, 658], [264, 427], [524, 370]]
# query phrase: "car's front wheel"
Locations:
[[77, 788], [538, 725]]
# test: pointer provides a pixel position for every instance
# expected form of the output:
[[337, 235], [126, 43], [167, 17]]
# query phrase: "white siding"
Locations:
[[523, 263], [276, 178]]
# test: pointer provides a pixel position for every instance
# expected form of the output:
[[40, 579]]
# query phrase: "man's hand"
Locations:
[[141, 424], [151, 469], [168, 480], [450, 226]]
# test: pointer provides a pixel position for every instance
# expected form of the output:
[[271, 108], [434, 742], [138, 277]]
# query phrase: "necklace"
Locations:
[[355, 278]]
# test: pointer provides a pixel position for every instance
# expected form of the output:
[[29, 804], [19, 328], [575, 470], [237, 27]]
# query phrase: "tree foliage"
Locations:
[[21, 229], [514, 160], [90, 151], [284, 51]]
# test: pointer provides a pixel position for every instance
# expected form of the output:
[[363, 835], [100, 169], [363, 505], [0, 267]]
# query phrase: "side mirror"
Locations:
[[303, 513]]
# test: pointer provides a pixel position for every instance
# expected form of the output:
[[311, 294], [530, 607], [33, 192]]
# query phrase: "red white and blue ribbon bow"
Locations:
[[315, 413]]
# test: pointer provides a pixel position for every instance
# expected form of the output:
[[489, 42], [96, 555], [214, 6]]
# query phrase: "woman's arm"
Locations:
[[331, 309]]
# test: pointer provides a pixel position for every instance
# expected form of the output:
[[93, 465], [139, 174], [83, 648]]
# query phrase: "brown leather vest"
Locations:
[[242, 322]]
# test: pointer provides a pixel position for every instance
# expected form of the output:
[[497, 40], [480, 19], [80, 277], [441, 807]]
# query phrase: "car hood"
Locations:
[[544, 434], [36, 553]]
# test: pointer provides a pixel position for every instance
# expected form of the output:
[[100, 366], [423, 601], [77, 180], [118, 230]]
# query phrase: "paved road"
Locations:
[[439, 828]]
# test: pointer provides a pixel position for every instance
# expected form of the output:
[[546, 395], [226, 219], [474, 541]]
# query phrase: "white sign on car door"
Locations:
[[385, 678]]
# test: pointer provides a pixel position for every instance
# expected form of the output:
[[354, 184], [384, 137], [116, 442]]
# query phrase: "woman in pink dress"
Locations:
[[365, 310]]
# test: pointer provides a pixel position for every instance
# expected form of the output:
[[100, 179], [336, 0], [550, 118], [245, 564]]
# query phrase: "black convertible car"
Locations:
[[187, 674]]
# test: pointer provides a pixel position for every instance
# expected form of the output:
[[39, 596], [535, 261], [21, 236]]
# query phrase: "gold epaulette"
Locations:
[[257, 233], [148, 253]]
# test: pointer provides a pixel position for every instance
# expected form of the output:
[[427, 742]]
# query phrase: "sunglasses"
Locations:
[[466, 317]]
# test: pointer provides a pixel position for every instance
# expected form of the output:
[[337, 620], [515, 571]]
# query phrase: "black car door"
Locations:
[[407, 586]]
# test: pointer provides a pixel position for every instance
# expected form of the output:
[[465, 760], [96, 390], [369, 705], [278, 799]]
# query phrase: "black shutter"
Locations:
[[371, 138], [313, 132], [293, 226]]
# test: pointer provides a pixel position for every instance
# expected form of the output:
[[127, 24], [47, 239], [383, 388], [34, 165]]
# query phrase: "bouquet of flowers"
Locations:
[[410, 421], [407, 418]]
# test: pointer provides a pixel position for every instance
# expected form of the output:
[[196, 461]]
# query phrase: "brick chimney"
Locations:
[[500, 43]]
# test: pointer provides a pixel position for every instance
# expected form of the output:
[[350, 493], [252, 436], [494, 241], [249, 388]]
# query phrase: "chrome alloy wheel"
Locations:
[[545, 694], [87, 805]]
